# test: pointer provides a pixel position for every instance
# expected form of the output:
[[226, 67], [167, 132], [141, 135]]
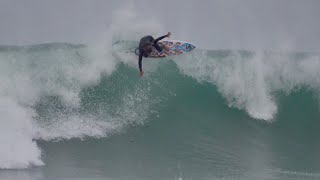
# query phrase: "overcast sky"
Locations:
[[249, 24]]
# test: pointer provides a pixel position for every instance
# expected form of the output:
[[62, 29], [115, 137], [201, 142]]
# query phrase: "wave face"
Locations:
[[250, 81], [40, 97], [62, 91]]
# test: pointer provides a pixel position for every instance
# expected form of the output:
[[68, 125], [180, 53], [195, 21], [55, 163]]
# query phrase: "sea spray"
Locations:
[[48, 80], [30, 73], [249, 80]]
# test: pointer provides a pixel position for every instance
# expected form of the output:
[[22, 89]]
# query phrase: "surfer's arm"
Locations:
[[140, 65], [162, 37], [159, 38], [140, 62]]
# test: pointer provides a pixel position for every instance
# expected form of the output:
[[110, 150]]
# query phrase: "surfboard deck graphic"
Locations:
[[175, 47]]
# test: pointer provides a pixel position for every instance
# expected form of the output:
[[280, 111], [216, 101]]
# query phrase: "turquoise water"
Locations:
[[81, 112]]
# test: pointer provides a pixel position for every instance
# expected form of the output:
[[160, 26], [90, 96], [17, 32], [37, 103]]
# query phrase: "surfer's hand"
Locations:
[[141, 73], [169, 34]]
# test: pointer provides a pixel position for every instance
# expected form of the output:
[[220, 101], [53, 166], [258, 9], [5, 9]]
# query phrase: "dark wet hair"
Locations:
[[147, 50]]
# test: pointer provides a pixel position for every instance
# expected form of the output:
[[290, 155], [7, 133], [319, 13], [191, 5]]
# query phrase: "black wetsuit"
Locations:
[[147, 40]]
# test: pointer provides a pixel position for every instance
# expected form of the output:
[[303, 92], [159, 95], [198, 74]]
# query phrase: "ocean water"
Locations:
[[69, 112], [74, 111]]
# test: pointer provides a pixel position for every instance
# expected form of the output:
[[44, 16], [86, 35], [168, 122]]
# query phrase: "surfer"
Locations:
[[145, 47]]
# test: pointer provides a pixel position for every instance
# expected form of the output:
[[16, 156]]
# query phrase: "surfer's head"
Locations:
[[147, 50]]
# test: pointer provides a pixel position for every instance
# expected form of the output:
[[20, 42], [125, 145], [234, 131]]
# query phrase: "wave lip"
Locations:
[[249, 80]]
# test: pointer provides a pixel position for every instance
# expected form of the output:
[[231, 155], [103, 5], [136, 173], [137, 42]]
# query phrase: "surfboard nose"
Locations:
[[189, 47]]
